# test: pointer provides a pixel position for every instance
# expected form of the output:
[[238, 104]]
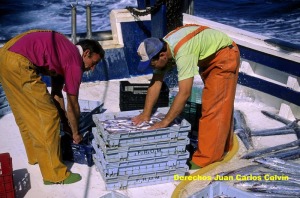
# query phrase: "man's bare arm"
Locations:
[[185, 87], [151, 99], [73, 112]]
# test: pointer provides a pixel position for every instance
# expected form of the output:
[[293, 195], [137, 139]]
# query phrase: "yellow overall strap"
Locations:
[[187, 37], [12, 41]]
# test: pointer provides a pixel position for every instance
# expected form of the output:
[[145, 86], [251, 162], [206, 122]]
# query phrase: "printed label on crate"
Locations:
[[142, 165], [140, 137], [140, 151]]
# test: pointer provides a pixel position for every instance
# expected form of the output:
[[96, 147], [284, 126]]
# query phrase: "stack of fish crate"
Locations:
[[131, 156]]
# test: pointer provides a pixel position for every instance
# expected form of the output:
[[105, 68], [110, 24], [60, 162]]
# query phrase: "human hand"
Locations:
[[158, 125], [77, 138], [140, 119]]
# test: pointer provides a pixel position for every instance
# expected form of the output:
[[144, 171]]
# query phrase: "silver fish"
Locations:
[[125, 124], [242, 130], [287, 163], [279, 189], [295, 126], [270, 149], [291, 178], [268, 195], [274, 164], [274, 184], [288, 129], [276, 117], [288, 154], [273, 132]]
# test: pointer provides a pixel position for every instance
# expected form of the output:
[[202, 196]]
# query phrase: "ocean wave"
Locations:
[[255, 16]]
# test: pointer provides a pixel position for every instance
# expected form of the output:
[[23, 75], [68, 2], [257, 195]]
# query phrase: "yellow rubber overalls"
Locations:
[[34, 112]]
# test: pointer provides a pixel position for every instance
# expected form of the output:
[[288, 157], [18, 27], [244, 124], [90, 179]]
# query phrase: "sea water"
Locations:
[[271, 18]]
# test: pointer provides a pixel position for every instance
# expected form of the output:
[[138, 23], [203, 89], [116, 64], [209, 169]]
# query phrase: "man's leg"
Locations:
[[215, 125], [33, 105]]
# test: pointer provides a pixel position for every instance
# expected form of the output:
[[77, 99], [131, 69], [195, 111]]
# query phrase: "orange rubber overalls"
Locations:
[[219, 73]]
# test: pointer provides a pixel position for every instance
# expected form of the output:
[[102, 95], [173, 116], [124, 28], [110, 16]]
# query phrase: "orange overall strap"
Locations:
[[186, 25], [187, 37]]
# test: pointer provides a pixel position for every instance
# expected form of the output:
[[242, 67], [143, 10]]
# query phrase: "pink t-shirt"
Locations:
[[55, 52]]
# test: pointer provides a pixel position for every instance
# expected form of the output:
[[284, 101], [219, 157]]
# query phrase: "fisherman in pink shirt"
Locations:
[[37, 112]]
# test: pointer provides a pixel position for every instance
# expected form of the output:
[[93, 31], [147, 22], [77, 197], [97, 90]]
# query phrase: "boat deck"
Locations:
[[28, 179]]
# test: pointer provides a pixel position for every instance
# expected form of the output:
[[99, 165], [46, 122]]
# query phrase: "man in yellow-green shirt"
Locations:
[[196, 50]]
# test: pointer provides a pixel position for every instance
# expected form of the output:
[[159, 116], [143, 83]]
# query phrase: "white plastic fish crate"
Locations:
[[115, 154], [127, 137], [114, 194], [124, 182], [141, 137], [140, 166], [221, 189]]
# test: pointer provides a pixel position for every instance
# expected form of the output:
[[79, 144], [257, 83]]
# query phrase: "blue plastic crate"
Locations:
[[139, 166], [115, 154], [3, 98], [130, 137], [5, 109], [146, 179], [82, 153], [221, 189], [78, 153]]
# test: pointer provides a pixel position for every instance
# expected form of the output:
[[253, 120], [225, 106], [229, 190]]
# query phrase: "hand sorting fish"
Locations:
[[125, 124]]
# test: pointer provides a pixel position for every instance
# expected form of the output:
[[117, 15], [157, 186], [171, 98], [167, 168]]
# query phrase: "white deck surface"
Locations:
[[92, 185]]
